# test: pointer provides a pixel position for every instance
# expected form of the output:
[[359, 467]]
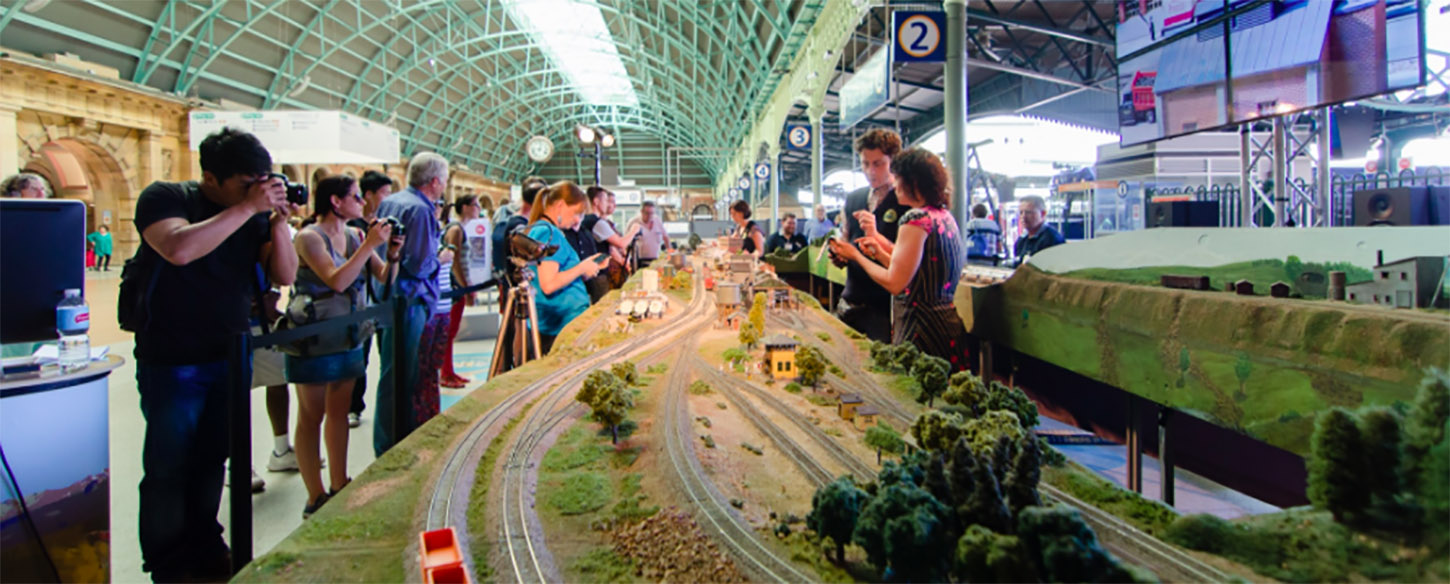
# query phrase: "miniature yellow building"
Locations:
[[847, 407], [780, 357], [865, 417]]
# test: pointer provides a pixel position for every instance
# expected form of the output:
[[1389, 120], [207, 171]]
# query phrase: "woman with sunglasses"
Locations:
[[333, 257]]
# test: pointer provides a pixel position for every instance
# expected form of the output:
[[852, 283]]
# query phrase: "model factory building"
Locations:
[[1407, 283]]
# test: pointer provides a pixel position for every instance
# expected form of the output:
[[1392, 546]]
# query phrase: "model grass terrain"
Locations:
[[1263, 366]]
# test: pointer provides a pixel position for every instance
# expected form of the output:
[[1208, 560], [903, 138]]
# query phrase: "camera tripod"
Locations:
[[518, 333]]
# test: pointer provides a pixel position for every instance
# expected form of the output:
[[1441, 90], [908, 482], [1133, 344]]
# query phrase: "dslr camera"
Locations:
[[399, 230], [527, 249], [296, 192]]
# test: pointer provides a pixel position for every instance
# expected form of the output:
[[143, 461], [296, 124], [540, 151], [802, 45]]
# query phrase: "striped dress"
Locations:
[[925, 315]]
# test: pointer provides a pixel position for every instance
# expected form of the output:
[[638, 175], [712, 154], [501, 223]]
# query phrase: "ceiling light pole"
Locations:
[[600, 140]]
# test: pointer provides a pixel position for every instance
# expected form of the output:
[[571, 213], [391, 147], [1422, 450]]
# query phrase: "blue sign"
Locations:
[[919, 36], [798, 136], [734, 193], [762, 170], [743, 183]]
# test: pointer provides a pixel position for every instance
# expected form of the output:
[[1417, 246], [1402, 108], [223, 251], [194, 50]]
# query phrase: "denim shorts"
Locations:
[[325, 368]]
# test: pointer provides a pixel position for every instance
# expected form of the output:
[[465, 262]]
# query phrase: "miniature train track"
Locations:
[[1134, 545], [530, 559], [732, 386], [869, 391], [717, 517], [814, 471], [451, 491]]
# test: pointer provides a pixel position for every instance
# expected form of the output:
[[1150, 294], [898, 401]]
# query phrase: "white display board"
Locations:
[[307, 137]]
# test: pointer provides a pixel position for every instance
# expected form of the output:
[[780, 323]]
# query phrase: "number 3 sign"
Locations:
[[920, 36]]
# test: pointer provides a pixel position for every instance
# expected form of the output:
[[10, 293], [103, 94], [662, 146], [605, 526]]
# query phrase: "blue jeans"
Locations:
[[395, 388], [186, 411]]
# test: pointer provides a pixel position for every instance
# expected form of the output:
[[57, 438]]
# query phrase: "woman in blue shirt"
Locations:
[[560, 276]]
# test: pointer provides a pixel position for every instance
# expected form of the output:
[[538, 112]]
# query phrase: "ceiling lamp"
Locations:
[[585, 134], [607, 140]]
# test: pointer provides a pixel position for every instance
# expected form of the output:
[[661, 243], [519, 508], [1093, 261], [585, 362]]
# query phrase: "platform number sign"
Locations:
[[920, 36], [762, 171], [798, 136], [743, 183], [734, 193]]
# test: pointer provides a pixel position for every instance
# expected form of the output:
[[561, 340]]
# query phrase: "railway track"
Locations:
[[733, 387], [449, 500], [814, 471], [716, 515], [869, 391]]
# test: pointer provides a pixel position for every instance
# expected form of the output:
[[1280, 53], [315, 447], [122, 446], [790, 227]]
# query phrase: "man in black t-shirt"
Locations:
[[205, 238], [786, 238], [865, 305]]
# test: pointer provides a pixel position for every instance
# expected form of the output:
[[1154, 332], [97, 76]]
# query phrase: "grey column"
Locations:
[[816, 156], [956, 106], [1324, 194], [1281, 167], [775, 192], [1246, 187]]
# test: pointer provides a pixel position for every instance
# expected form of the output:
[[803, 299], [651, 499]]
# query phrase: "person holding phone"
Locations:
[[561, 295]]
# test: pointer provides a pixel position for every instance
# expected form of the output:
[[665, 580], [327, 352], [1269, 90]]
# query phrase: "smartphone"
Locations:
[[601, 259]]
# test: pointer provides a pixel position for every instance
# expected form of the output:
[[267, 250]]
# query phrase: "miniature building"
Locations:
[[1407, 283], [732, 320], [847, 407], [780, 356], [1244, 288], [1279, 290], [1184, 282], [651, 282], [866, 417]]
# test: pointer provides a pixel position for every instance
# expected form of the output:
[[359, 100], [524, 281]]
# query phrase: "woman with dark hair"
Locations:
[[561, 293], [100, 242], [454, 238], [331, 273], [752, 238], [922, 268]]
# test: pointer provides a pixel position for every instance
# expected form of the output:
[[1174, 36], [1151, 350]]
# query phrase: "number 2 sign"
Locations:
[[920, 36]]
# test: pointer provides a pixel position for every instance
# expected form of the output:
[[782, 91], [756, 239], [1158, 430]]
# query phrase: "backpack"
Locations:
[[982, 240], [138, 281]]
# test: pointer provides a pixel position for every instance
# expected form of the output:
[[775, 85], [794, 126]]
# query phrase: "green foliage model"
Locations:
[[969, 391], [1337, 469], [937, 430], [834, 509], [1243, 367], [884, 438], [1425, 426], [1380, 432], [931, 373], [757, 312], [905, 528], [1066, 548], [749, 335], [1021, 482], [608, 400], [626, 372], [984, 556], [734, 354], [810, 364]]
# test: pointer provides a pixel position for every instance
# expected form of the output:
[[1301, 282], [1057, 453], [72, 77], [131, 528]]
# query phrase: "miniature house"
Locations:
[[847, 407], [1279, 290], [866, 417], [651, 281], [1244, 288], [1407, 283], [732, 320], [780, 356]]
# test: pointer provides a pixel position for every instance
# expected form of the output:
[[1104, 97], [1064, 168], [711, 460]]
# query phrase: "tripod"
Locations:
[[518, 334]]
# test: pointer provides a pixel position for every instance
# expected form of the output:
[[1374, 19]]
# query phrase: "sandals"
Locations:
[[334, 492], [315, 505]]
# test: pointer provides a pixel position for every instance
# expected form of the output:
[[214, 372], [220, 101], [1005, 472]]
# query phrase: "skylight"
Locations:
[[573, 36]]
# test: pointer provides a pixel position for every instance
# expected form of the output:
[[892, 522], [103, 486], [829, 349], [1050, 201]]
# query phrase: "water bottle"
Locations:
[[72, 321]]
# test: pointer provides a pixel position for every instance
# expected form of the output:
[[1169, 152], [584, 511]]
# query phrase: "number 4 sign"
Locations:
[[919, 36]]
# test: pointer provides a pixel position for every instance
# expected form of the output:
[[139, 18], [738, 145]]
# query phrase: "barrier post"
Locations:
[[402, 384], [240, 452]]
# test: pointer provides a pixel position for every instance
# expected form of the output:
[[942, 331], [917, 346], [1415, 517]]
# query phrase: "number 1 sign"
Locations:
[[919, 36]]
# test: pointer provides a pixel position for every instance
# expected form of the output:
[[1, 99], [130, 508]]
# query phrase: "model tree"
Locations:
[[608, 400], [626, 372], [884, 438], [984, 556], [1337, 469], [1065, 547], [931, 374], [1243, 367], [1380, 432], [834, 509], [810, 364], [749, 335], [757, 312], [970, 392], [1425, 426], [937, 430], [1021, 482], [906, 529]]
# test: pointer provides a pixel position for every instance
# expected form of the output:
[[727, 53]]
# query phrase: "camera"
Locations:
[[528, 249], [399, 230], [296, 192]]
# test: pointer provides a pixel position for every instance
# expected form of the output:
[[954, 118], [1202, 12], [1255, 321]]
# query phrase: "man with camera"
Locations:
[[413, 212], [200, 244]]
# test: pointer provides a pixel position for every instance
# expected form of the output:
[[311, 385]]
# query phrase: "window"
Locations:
[[1404, 276], [1384, 275], [787, 365], [1376, 298], [1354, 297]]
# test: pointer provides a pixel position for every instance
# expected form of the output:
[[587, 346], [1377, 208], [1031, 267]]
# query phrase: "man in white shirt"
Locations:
[[652, 235]]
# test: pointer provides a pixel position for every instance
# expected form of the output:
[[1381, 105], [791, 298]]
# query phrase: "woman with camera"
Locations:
[[330, 282], [922, 267], [561, 293], [753, 239]]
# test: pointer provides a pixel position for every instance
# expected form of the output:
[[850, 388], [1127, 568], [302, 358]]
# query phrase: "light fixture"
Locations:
[[585, 134], [607, 140]]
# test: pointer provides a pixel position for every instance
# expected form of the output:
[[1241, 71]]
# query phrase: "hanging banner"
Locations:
[[306, 137], [920, 36], [866, 91]]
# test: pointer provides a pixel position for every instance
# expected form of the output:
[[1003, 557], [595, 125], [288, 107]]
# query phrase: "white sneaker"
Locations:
[[354, 420], [285, 462], [257, 483]]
